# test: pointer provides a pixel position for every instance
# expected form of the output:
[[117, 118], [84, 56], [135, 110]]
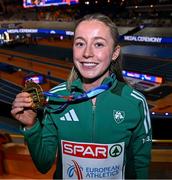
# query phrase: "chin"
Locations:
[[89, 77]]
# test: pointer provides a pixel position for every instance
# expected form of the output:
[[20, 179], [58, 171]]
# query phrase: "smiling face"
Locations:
[[93, 50]]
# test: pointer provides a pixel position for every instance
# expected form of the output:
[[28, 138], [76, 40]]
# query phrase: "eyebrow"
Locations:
[[95, 38]]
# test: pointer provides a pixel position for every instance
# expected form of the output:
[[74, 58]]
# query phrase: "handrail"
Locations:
[[162, 140]]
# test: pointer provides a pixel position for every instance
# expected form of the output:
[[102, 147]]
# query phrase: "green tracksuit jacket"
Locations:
[[109, 140]]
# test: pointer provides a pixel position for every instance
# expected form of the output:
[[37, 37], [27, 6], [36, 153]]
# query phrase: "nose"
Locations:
[[88, 52]]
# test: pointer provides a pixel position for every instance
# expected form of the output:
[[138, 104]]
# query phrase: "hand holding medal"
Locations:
[[36, 92]]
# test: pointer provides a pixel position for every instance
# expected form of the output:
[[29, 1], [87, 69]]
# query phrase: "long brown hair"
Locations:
[[115, 66]]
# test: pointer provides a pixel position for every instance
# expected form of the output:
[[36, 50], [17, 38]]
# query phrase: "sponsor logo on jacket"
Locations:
[[92, 160], [70, 116]]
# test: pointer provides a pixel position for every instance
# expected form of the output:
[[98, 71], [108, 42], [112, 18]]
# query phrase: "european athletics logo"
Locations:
[[75, 170]]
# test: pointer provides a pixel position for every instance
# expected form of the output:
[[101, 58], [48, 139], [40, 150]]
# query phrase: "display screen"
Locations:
[[39, 79], [42, 3], [146, 77]]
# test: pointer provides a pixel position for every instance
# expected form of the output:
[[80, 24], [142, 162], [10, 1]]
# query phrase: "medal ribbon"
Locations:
[[86, 95], [72, 98]]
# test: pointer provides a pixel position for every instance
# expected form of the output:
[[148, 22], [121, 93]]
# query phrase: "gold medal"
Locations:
[[36, 92]]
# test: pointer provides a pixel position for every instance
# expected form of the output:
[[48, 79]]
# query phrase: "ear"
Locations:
[[116, 52]]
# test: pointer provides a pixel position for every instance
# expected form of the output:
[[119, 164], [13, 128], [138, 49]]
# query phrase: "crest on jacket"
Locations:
[[118, 116]]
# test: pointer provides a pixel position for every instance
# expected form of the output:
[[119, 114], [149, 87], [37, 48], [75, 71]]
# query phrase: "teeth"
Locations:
[[90, 64]]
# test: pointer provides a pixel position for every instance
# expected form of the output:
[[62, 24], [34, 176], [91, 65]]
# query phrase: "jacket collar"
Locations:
[[77, 84]]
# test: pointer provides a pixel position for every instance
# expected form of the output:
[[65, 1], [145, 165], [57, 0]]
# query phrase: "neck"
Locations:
[[88, 86], [95, 82]]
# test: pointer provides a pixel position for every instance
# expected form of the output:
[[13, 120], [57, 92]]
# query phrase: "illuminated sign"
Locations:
[[143, 39], [146, 77], [42, 3], [37, 31], [16, 31]]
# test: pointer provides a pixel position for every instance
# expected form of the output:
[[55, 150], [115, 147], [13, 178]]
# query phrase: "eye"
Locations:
[[79, 44], [99, 44]]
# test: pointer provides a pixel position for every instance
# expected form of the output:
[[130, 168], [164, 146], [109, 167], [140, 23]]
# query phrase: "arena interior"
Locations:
[[36, 43]]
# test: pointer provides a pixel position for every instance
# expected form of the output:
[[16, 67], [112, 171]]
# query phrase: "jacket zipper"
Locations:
[[93, 122]]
